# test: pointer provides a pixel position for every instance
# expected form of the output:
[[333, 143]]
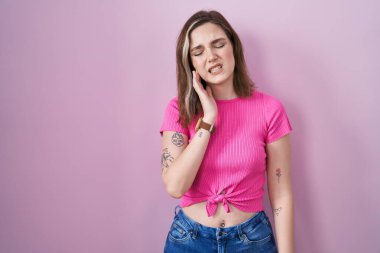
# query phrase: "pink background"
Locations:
[[83, 88]]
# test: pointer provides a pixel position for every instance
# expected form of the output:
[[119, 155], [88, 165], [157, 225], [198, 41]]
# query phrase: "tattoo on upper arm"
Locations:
[[200, 134], [177, 139], [278, 174], [277, 210], [166, 158]]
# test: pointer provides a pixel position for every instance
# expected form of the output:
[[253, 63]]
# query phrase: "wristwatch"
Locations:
[[204, 125]]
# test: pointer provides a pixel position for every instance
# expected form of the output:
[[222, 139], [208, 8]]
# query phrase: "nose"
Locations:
[[212, 56]]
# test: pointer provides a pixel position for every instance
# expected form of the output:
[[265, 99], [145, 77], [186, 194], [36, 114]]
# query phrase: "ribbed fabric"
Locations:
[[235, 158]]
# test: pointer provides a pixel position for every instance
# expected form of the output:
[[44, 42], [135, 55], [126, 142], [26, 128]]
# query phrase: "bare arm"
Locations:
[[180, 160], [180, 164], [280, 192]]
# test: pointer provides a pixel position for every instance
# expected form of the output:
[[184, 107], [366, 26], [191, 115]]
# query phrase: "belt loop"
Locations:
[[195, 231], [175, 210], [240, 232]]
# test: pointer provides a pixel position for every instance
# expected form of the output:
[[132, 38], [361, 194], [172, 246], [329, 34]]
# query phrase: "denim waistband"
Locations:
[[198, 229]]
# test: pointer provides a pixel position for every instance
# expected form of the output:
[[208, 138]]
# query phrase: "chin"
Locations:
[[218, 79]]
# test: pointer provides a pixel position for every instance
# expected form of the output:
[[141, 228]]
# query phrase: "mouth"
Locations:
[[216, 69]]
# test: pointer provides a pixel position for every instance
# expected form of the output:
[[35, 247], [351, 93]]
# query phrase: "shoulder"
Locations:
[[173, 99], [268, 99], [173, 102]]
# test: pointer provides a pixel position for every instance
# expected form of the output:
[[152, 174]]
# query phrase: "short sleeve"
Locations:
[[278, 124], [171, 119]]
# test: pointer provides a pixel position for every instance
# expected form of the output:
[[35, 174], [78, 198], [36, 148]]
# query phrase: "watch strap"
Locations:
[[204, 125]]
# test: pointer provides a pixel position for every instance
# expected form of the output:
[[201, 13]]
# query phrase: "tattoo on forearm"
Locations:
[[277, 210], [166, 158], [200, 134], [278, 174], [177, 139]]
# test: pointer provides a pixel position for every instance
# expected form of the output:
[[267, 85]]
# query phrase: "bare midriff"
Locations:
[[221, 218]]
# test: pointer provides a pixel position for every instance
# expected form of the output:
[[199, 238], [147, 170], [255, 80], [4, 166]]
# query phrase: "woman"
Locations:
[[220, 136]]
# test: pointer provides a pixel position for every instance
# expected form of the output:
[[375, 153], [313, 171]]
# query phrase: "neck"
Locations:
[[223, 91]]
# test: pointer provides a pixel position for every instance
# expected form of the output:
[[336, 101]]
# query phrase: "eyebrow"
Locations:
[[212, 42]]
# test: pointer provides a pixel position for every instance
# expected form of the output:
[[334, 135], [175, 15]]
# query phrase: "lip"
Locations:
[[219, 64]]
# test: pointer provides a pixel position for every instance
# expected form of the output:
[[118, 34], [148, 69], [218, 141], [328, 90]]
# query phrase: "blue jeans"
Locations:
[[253, 235]]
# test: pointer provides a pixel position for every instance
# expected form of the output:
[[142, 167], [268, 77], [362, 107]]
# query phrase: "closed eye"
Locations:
[[217, 46]]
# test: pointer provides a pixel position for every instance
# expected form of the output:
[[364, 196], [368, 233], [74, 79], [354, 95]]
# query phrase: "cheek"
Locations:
[[197, 63], [229, 55], [194, 62]]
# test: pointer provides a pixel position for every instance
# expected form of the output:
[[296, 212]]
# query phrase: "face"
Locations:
[[212, 54]]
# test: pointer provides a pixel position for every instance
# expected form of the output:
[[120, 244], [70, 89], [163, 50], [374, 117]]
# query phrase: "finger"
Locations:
[[196, 85], [197, 82], [194, 79], [202, 87], [198, 77], [209, 91]]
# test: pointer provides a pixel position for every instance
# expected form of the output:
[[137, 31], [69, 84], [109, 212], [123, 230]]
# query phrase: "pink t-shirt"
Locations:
[[235, 158]]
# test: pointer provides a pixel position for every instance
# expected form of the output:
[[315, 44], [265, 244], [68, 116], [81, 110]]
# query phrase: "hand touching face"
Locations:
[[212, 54]]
